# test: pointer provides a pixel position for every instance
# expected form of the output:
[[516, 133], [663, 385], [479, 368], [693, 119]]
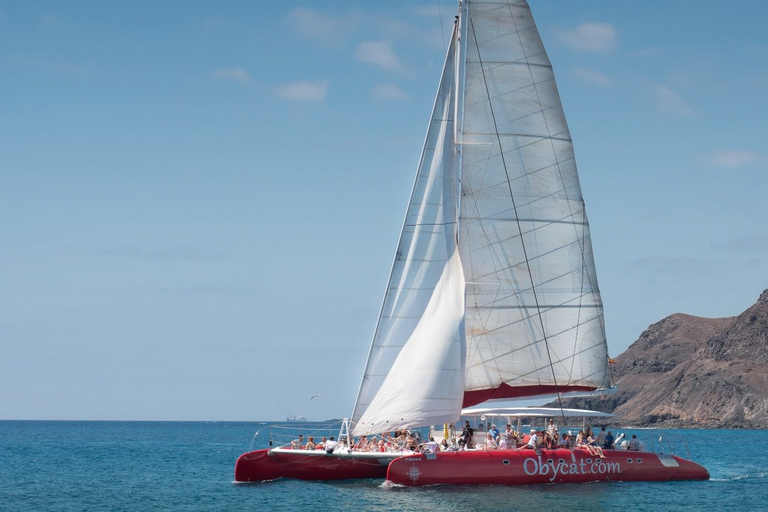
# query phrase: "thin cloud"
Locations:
[[232, 75], [645, 52], [50, 20], [671, 265], [389, 92], [219, 291], [216, 23], [729, 159], [322, 28], [306, 92], [431, 10], [669, 101], [593, 77], [378, 53], [591, 37], [186, 253], [751, 243]]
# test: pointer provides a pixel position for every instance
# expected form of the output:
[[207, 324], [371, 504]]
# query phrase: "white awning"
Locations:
[[528, 412]]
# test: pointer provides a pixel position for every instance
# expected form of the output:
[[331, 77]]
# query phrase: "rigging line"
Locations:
[[579, 236], [442, 28], [512, 197], [546, 342], [499, 265], [484, 321]]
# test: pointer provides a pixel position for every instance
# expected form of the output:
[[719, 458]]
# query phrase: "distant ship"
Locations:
[[295, 419]]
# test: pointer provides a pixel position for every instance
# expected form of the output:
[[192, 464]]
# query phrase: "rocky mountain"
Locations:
[[687, 371]]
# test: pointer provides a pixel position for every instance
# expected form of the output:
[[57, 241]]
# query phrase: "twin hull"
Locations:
[[505, 467]]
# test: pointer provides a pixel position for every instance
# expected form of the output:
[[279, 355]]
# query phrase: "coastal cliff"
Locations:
[[688, 371]]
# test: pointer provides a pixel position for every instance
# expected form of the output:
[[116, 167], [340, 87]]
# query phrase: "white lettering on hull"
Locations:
[[539, 467]]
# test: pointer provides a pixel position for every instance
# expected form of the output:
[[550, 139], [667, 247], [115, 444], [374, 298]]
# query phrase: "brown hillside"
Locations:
[[694, 372]]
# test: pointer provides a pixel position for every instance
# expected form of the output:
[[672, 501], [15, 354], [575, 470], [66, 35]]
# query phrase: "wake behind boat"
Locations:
[[493, 292]]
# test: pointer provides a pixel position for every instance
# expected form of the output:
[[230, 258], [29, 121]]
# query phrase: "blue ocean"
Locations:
[[183, 466]]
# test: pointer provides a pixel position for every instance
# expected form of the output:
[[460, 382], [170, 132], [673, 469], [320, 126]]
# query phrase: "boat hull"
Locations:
[[526, 467], [264, 465]]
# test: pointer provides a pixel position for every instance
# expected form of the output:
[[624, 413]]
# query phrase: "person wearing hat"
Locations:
[[552, 428], [533, 440]]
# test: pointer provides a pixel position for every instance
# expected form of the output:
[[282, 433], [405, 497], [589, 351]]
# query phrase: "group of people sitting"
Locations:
[[549, 438], [397, 441]]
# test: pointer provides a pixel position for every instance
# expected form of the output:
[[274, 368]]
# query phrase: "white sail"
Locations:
[[423, 267], [425, 385], [496, 194], [534, 318]]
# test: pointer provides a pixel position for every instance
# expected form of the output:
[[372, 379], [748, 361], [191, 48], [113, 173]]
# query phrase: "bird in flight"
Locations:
[[315, 396]]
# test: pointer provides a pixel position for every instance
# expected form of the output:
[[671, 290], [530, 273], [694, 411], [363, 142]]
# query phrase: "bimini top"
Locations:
[[527, 412]]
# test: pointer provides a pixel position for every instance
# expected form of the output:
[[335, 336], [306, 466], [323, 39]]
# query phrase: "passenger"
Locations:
[[580, 439], [595, 451], [608, 443], [462, 444], [494, 432], [444, 446], [298, 444], [431, 445], [310, 443], [382, 447], [321, 444], [362, 444], [567, 441], [490, 442], [550, 442], [552, 428], [533, 441], [330, 445], [467, 434], [634, 444], [601, 437]]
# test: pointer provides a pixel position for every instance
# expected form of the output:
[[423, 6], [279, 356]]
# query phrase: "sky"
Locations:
[[200, 201]]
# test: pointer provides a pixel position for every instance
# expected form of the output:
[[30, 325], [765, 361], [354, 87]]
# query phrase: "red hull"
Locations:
[[525, 467], [261, 465]]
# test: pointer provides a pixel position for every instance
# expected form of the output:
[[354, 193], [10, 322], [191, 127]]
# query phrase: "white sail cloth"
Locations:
[[424, 266], [497, 193], [534, 317]]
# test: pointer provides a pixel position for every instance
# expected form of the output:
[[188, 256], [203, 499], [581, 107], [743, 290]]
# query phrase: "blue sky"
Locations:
[[200, 201]]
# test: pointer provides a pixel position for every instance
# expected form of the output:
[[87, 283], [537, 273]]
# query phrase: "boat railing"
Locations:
[[668, 443], [286, 436]]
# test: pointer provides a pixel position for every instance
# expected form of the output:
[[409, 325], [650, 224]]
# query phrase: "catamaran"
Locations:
[[493, 293]]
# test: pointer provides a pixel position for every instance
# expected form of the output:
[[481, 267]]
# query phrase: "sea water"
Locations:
[[183, 466]]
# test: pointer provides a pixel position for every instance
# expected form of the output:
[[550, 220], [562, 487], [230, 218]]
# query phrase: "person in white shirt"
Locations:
[[431, 445], [533, 441], [330, 445], [552, 429]]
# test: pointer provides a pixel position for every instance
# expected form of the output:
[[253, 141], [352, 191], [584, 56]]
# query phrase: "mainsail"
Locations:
[[493, 293]]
